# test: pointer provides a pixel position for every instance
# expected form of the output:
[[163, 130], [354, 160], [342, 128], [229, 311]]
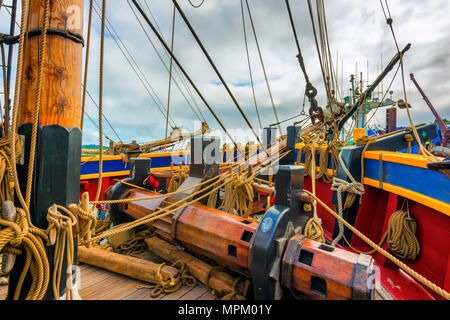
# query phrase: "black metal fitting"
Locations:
[[277, 226]]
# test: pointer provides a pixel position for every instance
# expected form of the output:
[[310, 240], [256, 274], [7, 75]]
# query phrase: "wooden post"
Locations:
[[136, 268], [218, 280]]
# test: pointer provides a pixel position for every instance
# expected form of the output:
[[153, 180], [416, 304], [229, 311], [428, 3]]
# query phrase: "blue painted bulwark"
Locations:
[[424, 181]]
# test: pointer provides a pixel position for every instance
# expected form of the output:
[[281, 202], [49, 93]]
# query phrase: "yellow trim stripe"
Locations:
[[412, 195], [414, 160]]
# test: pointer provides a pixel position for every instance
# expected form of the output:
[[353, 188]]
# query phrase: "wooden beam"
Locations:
[[218, 280], [136, 268]]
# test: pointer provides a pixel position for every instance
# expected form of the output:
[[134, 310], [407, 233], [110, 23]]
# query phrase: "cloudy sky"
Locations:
[[358, 36]]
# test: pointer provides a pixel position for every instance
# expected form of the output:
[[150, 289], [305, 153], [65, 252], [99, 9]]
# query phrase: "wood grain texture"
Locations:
[[340, 279], [61, 85], [136, 268]]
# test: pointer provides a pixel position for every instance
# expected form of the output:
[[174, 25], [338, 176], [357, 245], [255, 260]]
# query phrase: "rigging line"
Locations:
[[5, 93], [183, 81], [282, 121], [262, 63], [296, 42], [181, 68], [422, 149], [160, 105], [333, 76], [166, 67], [83, 103], [216, 70], [384, 96], [13, 23], [379, 105], [318, 50], [95, 103], [198, 5], [327, 45], [170, 76], [321, 65], [96, 125], [9, 12], [100, 102], [249, 65]]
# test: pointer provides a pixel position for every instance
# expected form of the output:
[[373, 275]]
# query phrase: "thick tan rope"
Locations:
[[13, 131], [64, 245], [177, 180], [37, 101], [20, 235], [314, 231], [239, 195]]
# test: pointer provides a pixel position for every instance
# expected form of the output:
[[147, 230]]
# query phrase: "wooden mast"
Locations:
[[61, 85], [56, 168]]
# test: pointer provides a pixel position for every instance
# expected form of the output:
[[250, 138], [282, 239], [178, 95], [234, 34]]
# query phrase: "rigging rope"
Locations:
[[170, 77], [166, 67], [422, 149], [249, 65], [188, 24], [198, 5], [262, 64], [141, 11], [329, 97], [86, 65], [134, 66], [100, 102]]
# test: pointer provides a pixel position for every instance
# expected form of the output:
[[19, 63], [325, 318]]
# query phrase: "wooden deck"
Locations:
[[100, 284]]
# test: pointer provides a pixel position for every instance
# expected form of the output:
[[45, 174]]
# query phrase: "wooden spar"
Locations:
[[218, 280], [180, 137], [136, 268], [61, 85]]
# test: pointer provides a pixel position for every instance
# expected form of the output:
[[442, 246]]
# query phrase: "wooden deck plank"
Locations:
[[95, 291], [207, 296], [141, 294], [194, 293], [98, 276], [85, 269], [122, 290]]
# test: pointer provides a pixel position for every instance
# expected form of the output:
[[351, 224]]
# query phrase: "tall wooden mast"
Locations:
[[61, 85], [56, 167]]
